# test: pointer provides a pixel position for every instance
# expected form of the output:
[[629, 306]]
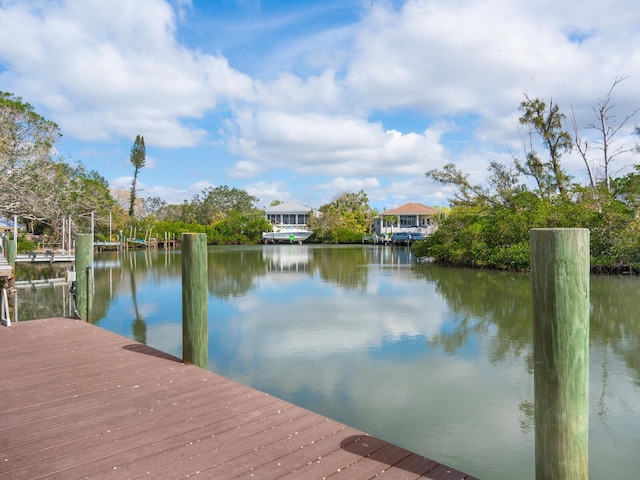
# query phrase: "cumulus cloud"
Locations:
[[311, 143], [269, 191], [350, 184], [111, 69], [122, 182], [200, 185], [291, 93], [332, 102], [244, 169], [472, 56]]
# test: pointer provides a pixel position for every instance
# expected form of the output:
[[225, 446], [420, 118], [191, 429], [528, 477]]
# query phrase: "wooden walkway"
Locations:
[[78, 401]]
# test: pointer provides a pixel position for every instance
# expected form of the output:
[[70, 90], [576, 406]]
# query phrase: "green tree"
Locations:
[[229, 214], [137, 158], [547, 124], [216, 204], [154, 205], [344, 220], [489, 224]]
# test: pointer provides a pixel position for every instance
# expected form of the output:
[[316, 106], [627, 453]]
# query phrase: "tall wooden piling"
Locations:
[[10, 248], [84, 275], [195, 329], [560, 282]]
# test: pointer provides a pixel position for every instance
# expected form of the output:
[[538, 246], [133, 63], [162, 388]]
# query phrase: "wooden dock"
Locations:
[[81, 402]]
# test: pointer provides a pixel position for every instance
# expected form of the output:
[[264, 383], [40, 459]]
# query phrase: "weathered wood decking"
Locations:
[[77, 401]]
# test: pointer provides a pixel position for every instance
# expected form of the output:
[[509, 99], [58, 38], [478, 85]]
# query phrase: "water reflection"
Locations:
[[139, 326], [615, 323], [434, 359], [48, 291], [294, 259], [234, 272]]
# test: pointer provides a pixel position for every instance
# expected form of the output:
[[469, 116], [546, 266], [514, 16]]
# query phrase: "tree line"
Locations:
[[488, 224], [43, 190]]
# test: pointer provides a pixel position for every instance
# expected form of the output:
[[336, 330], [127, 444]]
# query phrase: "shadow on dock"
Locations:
[[374, 449]]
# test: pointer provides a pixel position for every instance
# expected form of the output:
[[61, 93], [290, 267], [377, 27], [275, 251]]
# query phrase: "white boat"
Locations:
[[408, 237], [286, 233]]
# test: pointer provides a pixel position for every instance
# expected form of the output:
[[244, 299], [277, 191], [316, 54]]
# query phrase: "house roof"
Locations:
[[287, 207], [410, 209], [6, 223]]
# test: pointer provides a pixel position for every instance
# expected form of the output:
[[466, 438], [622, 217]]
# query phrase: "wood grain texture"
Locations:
[[195, 311], [560, 283], [82, 402], [84, 259]]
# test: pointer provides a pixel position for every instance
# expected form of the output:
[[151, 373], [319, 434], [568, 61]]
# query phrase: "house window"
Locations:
[[406, 221]]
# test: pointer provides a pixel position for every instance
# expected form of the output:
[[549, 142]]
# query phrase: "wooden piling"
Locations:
[[84, 275], [560, 282], [10, 248], [195, 329]]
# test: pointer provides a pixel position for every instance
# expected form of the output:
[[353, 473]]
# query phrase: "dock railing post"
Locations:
[[195, 329], [84, 275], [560, 290]]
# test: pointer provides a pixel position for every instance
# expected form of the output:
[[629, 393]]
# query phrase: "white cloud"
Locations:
[[200, 185], [291, 93], [332, 101], [122, 182], [312, 143], [268, 191], [112, 69], [467, 56], [170, 195], [150, 162], [244, 169], [341, 184]]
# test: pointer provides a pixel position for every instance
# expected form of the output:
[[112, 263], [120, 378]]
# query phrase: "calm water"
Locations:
[[435, 359]]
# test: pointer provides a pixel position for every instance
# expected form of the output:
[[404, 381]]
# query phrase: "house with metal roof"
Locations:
[[406, 223], [6, 225], [288, 213]]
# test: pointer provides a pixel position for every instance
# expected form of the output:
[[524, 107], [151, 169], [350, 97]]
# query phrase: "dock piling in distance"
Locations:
[[560, 289], [10, 248], [84, 264], [195, 329]]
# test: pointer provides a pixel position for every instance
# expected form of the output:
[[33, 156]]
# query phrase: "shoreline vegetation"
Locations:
[[486, 225]]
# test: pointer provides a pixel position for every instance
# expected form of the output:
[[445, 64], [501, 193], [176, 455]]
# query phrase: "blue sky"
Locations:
[[303, 101]]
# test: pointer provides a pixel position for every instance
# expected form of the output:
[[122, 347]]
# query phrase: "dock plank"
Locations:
[[82, 402]]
